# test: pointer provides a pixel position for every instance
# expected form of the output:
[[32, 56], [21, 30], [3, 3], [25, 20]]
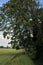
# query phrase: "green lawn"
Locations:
[[16, 57]]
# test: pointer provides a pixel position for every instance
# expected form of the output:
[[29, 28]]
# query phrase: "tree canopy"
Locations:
[[23, 21]]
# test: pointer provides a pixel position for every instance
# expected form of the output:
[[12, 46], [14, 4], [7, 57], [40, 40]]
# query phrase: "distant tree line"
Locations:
[[5, 47], [1, 46]]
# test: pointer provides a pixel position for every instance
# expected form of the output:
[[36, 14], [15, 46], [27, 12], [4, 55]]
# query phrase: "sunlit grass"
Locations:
[[7, 51]]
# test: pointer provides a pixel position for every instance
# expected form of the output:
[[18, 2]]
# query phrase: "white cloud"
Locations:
[[3, 41]]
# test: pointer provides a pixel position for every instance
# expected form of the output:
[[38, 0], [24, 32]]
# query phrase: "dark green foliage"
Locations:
[[5, 34]]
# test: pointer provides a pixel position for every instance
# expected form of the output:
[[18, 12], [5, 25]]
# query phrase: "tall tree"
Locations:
[[22, 19]]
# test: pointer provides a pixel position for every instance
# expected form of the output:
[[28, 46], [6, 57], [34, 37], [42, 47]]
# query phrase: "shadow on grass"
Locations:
[[38, 62], [12, 60], [14, 56]]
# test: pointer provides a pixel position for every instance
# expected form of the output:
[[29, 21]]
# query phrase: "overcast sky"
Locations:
[[4, 42]]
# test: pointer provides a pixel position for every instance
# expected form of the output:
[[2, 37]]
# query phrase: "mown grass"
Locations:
[[16, 57], [20, 60]]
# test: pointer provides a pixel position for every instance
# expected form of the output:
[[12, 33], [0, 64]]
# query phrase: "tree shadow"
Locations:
[[39, 61]]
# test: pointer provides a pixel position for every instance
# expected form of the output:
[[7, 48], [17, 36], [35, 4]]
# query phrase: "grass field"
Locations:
[[15, 57]]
